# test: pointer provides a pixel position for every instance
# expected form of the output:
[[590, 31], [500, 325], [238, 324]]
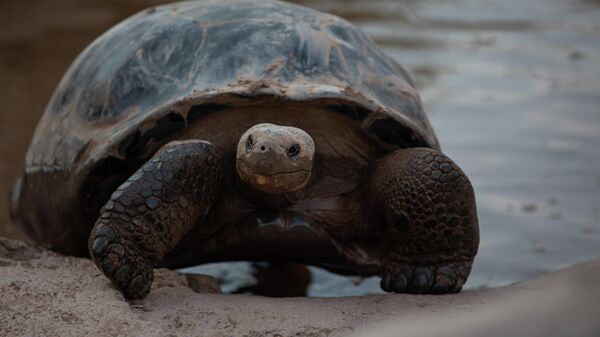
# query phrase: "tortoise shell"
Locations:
[[158, 72]]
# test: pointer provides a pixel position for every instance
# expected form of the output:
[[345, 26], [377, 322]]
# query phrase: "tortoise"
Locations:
[[226, 130]]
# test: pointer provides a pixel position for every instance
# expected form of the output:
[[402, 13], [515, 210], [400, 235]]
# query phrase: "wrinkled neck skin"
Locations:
[[275, 159]]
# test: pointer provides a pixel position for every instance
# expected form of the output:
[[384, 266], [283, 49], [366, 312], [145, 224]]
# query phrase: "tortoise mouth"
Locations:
[[274, 183]]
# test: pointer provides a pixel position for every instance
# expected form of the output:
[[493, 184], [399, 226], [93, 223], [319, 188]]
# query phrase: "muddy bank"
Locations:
[[44, 294]]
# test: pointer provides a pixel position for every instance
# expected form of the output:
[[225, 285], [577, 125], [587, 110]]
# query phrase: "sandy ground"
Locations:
[[44, 294]]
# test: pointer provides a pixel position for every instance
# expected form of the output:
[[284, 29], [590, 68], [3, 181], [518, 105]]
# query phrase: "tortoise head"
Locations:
[[275, 159]]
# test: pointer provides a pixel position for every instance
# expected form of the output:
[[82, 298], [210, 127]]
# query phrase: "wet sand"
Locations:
[[512, 89]]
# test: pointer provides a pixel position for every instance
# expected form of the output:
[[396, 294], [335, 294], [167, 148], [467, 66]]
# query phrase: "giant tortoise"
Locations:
[[251, 130]]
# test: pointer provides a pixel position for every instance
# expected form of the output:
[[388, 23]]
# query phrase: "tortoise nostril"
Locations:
[[262, 148]]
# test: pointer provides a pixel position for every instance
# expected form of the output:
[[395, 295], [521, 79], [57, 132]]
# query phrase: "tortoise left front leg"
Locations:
[[428, 207]]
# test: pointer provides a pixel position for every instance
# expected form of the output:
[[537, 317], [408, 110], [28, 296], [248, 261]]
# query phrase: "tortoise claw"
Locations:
[[428, 279], [132, 275]]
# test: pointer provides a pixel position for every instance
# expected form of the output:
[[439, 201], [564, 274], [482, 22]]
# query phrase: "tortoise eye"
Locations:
[[293, 150], [249, 143]]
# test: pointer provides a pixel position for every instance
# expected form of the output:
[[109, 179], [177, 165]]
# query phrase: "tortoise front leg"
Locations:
[[149, 213], [428, 207]]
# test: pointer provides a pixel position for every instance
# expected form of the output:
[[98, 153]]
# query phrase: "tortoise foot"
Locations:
[[132, 275], [425, 279]]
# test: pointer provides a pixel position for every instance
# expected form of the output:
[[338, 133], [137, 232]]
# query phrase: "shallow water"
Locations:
[[512, 89]]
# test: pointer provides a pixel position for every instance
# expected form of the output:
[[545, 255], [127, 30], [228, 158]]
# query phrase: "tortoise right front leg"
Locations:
[[149, 214]]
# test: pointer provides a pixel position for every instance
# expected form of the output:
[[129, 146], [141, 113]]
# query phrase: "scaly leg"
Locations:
[[428, 206], [149, 213]]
